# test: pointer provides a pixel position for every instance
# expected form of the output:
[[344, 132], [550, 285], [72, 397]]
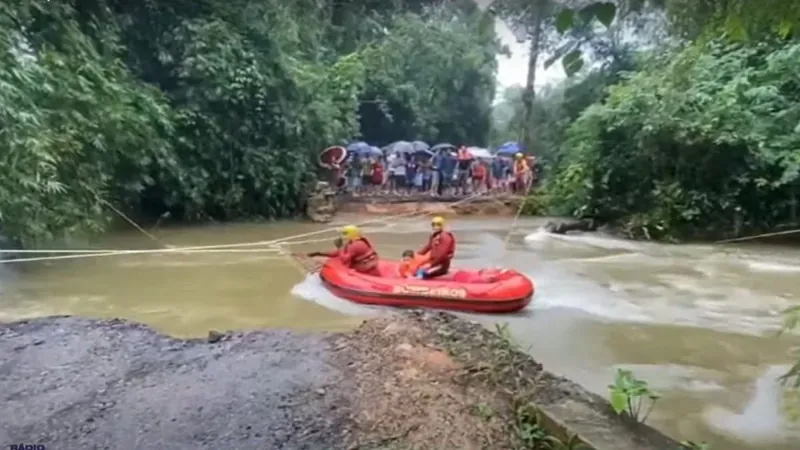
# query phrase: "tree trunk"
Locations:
[[527, 130]]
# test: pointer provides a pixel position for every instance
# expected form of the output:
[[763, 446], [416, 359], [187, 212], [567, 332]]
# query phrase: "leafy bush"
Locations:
[[702, 141], [632, 396], [76, 128]]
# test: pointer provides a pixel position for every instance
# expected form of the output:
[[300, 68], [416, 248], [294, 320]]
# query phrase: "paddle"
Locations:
[[313, 266], [306, 263]]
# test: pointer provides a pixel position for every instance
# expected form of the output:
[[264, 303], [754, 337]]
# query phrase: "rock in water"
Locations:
[[565, 226]]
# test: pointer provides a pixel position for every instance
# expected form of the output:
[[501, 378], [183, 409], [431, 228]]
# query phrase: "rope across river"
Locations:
[[273, 245], [270, 246]]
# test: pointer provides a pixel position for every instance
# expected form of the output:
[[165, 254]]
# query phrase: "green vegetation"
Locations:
[[632, 396], [670, 138], [507, 358], [678, 120], [499, 362], [215, 109], [700, 142], [687, 130]]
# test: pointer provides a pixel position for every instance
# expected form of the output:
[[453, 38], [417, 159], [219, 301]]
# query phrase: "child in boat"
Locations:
[[412, 264]]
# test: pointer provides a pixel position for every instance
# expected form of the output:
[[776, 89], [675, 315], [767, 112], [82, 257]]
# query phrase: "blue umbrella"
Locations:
[[509, 148], [357, 147], [422, 151]]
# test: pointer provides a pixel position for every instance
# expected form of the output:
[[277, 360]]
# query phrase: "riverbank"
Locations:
[[415, 380], [494, 205]]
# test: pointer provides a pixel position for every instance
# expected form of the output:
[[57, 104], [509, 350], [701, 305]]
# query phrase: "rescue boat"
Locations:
[[492, 291]]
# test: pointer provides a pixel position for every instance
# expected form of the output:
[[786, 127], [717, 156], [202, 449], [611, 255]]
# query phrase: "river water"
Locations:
[[696, 322]]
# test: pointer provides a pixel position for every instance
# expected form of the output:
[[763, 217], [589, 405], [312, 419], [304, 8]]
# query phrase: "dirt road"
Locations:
[[73, 383]]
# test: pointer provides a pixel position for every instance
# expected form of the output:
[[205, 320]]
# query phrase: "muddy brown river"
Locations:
[[696, 322]]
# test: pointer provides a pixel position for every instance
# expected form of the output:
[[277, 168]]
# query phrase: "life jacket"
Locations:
[[410, 268], [364, 262], [437, 237], [419, 262]]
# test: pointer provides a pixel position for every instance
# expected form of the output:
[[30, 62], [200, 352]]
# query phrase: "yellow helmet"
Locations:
[[437, 221], [351, 232], [518, 156]]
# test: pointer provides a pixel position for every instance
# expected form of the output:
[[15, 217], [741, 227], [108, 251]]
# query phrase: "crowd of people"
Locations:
[[438, 174]]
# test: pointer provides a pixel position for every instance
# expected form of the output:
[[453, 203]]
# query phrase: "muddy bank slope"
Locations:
[[490, 205], [414, 380]]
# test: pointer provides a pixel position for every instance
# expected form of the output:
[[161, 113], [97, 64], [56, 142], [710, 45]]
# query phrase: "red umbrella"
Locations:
[[332, 155]]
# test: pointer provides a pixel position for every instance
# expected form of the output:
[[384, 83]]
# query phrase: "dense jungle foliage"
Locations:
[[212, 109], [675, 137]]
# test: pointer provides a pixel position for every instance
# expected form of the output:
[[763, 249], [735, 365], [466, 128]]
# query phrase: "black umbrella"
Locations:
[[420, 146]]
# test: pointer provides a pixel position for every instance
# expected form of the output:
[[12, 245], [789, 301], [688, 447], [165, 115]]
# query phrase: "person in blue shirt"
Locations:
[[498, 172]]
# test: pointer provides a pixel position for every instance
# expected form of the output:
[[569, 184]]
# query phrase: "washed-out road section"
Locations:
[[73, 383]]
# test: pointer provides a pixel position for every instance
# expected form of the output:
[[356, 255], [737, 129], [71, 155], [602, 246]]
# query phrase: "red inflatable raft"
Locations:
[[484, 291]]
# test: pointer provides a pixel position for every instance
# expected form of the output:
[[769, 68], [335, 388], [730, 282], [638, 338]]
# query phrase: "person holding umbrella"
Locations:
[[397, 172], [436, 174], [439, 167]]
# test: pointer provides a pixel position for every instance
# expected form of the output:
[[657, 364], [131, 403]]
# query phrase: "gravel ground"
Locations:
[[71, 383]]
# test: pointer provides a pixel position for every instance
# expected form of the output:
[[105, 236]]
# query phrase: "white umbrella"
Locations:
[[481, 153]]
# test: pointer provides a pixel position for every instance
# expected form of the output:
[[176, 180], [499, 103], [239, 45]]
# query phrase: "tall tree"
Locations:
[[549, 26]]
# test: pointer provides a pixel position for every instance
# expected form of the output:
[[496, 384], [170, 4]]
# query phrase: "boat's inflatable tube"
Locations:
[[484, 291]]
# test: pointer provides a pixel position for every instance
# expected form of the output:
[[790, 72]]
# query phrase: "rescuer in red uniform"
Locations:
[[357, 253], [442, 248]]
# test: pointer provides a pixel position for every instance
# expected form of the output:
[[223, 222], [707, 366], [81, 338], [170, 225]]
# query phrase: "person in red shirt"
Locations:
[[358, 253], [478, 176], [377, 175], [442, 248]]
